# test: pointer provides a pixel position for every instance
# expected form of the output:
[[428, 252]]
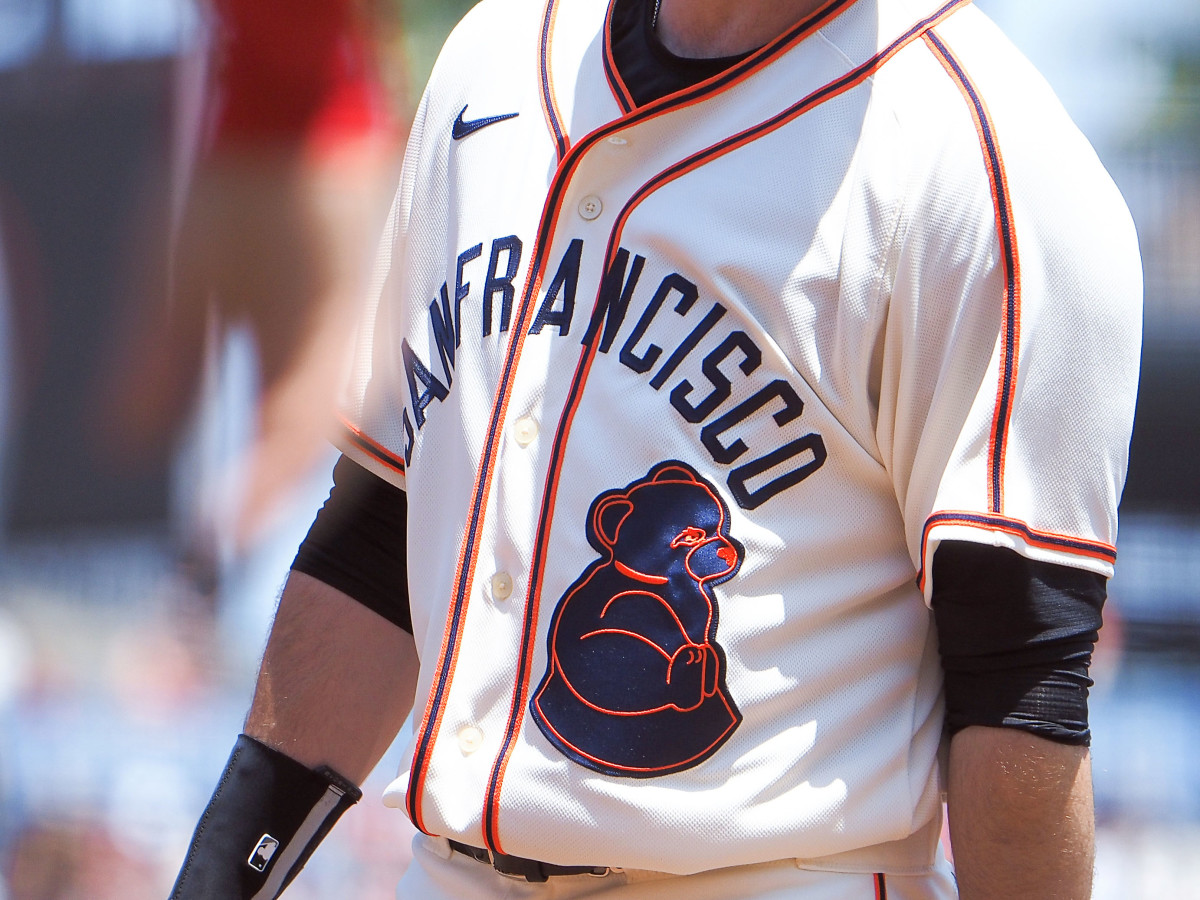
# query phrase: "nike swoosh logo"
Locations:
[[462, 127]]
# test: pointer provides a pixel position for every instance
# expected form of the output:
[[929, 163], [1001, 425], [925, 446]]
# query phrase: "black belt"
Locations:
[[520, 867]]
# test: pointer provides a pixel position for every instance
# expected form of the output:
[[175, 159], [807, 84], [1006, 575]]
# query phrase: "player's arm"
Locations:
[[1021, 821], [340, 668], [336, 683], [1016, 638]]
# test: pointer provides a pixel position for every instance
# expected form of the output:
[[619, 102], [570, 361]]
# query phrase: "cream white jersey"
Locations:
[[684, 397]]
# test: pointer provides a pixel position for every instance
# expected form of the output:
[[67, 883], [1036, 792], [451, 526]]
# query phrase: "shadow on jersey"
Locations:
[[635, 681]]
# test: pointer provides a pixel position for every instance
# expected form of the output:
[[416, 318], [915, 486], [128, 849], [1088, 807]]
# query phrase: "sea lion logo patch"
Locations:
[[635, 682]]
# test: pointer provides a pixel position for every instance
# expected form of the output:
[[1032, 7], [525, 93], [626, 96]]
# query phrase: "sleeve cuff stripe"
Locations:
[[376, 451], [1099, 550]]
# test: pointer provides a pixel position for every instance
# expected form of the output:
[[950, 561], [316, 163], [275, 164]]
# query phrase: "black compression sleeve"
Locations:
[[1016, 638], [358, 541]]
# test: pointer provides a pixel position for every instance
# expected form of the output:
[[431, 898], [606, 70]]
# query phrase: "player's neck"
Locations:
[[700, 29]]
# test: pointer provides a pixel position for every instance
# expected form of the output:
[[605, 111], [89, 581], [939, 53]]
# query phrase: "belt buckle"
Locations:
[[491, 858], [529, 870], [532, 870]]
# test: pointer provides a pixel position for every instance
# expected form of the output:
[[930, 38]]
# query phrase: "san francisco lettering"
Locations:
[[756, 473]]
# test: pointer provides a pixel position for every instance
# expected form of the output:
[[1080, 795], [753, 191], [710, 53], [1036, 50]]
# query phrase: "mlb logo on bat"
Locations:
[[261, 857]]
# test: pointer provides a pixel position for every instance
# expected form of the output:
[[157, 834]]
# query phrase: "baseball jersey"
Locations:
[[684, 397]]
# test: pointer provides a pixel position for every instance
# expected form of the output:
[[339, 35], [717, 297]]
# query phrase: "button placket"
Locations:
[[525, 429], [502, 586], [590, 207], [470, 739]]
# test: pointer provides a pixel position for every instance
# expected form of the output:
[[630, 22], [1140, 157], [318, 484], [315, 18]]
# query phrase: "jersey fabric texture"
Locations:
[[684, 396]]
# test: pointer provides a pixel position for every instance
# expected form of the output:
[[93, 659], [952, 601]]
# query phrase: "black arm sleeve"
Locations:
[[265, 819], [358, 542], [1016, 638]]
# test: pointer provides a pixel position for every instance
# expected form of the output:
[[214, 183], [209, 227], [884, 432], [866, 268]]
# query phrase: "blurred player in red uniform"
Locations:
[[294, 165]]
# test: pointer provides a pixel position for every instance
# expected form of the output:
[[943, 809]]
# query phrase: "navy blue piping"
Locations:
[[1094, 548], [1007, 244], [1035, 537], [797, 109], [736, 71], [541, 247], [560, 137], [392, 462], [472, 533], [615, 82]]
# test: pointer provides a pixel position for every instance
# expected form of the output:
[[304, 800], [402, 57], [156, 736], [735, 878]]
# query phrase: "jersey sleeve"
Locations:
[[389, 384], [1010, 361], [375, 432]]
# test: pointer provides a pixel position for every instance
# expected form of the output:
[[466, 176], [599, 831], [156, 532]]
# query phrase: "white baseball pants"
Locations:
[[438, 873]]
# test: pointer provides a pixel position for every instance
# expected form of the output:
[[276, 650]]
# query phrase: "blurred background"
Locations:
[[156, 478]]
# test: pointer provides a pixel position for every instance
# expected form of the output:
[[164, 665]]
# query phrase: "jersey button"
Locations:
[[617, 141], [502, 585], [470, 739], [525, 430], [590, 207]]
